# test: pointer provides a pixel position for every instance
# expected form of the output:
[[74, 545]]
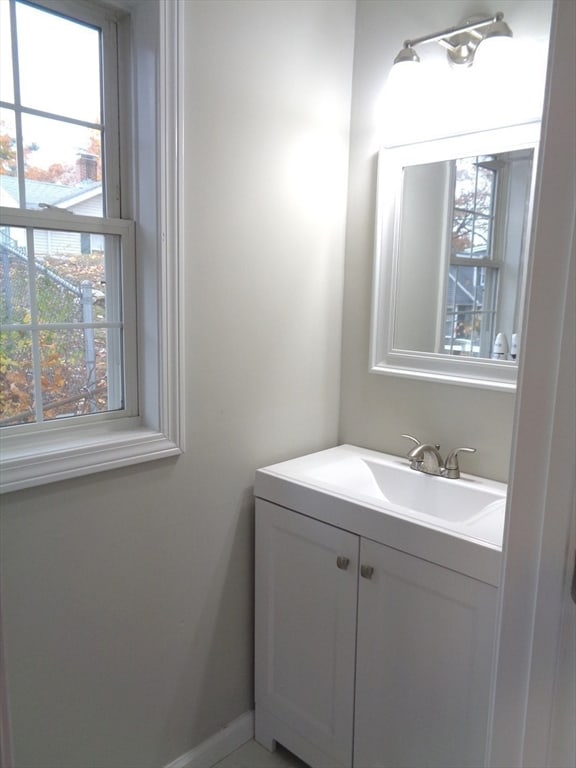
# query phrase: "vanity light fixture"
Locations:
[[460, 41]]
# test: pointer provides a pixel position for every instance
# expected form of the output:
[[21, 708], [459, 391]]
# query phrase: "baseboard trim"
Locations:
[[219, 746]]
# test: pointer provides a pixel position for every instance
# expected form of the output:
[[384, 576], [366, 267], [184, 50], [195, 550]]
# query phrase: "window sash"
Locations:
[[122, 302], [106, 21]]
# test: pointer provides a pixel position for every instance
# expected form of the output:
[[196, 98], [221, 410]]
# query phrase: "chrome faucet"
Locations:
[[425, 457]]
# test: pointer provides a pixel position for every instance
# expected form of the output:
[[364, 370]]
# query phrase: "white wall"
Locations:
[[376, 409], [127, 595], [422, 258]]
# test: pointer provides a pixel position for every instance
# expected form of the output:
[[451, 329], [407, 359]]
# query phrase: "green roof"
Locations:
[[46, 192]]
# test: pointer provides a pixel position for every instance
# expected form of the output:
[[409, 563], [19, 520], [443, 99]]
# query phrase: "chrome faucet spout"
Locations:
[[426, 458]]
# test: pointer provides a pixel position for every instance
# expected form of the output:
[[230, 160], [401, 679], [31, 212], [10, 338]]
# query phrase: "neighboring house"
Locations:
[[84, 198], [462, 292]]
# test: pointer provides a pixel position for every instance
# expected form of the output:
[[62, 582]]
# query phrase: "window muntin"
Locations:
[[68, 346]]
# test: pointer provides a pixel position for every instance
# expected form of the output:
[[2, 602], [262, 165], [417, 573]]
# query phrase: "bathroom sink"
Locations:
[[470, 506], [391, 480]]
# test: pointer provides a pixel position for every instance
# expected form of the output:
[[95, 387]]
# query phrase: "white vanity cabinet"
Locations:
[[367, 656]]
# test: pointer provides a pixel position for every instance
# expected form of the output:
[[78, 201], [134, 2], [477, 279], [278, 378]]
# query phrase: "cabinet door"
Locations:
[[425, 641], [306, 629]]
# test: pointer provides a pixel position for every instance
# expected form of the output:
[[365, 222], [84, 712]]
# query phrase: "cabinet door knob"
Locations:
[[342, 562], [366, 571]]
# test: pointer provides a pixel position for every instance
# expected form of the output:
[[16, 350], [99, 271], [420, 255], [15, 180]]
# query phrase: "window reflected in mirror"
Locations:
[[478, 255], [468, 215]]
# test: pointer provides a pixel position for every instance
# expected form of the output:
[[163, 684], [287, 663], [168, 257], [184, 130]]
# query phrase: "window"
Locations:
[[68, 376], [66, 341], [472, 287], [487, 224]]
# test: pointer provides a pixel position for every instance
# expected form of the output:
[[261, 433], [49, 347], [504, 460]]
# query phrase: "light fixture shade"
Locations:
[[404, 72], [402, 76], [497, 29], [495, 52], [407, 56]]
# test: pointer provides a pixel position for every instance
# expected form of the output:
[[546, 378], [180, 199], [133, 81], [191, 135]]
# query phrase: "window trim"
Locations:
[[64, 452]]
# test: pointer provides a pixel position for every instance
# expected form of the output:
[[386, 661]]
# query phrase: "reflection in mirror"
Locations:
[[454, 219], [462, 230]]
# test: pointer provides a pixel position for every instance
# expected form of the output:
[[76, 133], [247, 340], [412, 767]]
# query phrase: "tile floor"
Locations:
[[252, 755]]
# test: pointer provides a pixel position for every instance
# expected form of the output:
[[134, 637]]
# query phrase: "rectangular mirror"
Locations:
[[453, 224]]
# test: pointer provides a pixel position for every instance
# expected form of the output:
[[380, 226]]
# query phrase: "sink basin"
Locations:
[[391, 480], [472, 504]]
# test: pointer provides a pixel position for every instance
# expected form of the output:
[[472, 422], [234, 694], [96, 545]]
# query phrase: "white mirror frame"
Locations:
[[384, 358]]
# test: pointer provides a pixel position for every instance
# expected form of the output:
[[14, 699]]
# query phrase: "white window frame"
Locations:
[[60, 451]]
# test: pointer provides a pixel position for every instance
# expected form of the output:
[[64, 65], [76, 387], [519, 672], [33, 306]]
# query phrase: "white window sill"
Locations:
[[61, 455]]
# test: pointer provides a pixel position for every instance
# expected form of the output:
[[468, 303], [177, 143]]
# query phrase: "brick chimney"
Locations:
[[87, 167]]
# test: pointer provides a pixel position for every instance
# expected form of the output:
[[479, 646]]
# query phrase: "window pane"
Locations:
[[470, 310], [14, 296], [465, 183], [16, 378], [462, 224], [9, 194], [71, 275], [6, 76], [481, 239], [62, 166], [485, 189], [471, 236], [74, 372], [474, 184], [59, 64]]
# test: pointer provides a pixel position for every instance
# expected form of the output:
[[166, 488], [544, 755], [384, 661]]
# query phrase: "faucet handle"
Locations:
[[414, 439], [415, 462], [451, 466]]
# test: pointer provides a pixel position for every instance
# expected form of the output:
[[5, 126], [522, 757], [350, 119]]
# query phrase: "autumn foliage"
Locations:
[[68, 388], [56, 173]]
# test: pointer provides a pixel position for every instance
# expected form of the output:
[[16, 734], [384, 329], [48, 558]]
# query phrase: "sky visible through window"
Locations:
[[59, 67]]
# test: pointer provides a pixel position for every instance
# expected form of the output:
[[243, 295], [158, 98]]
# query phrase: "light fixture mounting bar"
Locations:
[[445, 34]]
